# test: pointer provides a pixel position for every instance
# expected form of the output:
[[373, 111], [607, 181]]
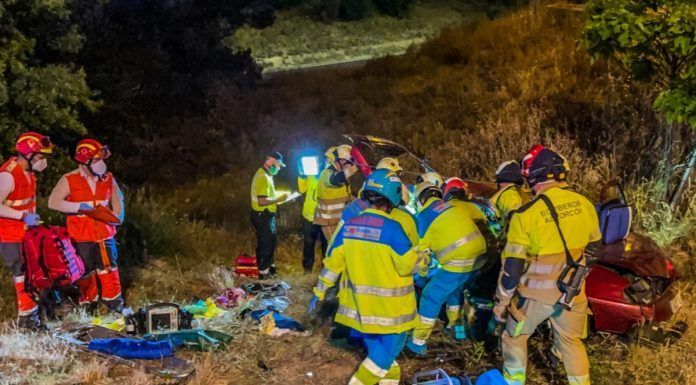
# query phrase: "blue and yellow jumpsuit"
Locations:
[[460, 248], [375, 262]]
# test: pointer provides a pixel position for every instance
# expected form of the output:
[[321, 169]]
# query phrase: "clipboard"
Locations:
[[102, 214], [291, 197]]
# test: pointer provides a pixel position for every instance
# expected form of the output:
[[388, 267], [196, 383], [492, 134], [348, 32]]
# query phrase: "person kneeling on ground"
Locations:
[[375, 261]]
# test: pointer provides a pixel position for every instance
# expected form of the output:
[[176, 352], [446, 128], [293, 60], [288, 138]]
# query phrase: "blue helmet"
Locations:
[[385, 183]]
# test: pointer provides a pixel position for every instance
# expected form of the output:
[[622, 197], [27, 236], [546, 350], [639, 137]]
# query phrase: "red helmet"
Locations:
[[454, 183], [30, 143], [529, 158], [89, 150]]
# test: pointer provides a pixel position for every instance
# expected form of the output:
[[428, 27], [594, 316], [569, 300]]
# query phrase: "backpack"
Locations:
[[615, 215], [50, 259]]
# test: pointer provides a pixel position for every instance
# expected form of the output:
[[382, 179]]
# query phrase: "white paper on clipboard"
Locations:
[[291, 197]]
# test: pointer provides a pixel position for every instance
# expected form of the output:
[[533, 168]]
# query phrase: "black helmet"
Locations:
[[509, 172], [546, 165]]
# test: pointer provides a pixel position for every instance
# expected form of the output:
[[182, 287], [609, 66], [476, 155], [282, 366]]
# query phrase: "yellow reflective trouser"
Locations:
[[569, 328]]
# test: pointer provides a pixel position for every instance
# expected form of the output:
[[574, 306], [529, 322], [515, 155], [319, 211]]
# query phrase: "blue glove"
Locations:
[[313, 304], [85, 207], [31, 219]]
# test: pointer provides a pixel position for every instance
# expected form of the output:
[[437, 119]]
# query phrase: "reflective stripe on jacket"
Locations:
[[331, 200], [452, 235], [376, 261], [80, 227], [533, 236], [22, 198]]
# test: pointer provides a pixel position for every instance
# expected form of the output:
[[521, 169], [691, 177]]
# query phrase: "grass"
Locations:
[[467, 100]]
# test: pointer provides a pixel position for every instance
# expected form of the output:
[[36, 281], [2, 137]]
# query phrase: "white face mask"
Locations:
[[39, 165], [98, 168]]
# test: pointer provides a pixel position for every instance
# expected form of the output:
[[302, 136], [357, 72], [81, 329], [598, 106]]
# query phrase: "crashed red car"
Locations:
[[630, 283]]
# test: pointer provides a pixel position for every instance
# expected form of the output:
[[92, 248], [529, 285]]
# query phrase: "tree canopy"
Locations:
[[655, 41], [41, 86]]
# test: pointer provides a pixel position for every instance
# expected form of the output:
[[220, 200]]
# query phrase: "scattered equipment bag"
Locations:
[[246, 265], [50, 258], [614, 215]]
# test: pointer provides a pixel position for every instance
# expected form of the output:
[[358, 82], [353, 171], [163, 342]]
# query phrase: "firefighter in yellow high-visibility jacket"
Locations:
[[375, 261], [537, 251], [333, 189], [509, 179], [458, 246]]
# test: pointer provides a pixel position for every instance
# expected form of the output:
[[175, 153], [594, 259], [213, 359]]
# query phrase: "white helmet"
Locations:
[[343, 152], [389, 163], [432, 177], [421, 188]]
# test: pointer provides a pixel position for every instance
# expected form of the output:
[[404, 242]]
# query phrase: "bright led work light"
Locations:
[[309, 165]]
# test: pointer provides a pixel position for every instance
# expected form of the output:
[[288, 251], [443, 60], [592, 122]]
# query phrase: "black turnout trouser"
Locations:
[[265, 224], [311, 233]]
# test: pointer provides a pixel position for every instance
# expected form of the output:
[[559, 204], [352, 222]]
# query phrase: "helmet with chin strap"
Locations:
[[546, 165]]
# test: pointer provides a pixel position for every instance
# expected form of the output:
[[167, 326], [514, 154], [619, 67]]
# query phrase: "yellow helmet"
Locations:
[[331, 154], [389, 163]]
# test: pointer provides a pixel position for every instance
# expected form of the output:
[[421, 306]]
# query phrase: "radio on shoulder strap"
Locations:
[[574, 273]]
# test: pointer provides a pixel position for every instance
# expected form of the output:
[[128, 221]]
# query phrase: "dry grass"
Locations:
[[469, 100]]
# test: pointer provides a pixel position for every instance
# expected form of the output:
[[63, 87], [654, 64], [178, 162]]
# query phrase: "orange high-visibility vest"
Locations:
[[80, 227], [22, 198]]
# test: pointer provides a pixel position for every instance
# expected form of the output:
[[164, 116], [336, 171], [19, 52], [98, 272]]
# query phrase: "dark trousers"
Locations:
[[265, 224], [311, 233]]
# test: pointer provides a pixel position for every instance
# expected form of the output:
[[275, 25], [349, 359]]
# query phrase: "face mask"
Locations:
[[273, 170], [98, 168], [39, 165]]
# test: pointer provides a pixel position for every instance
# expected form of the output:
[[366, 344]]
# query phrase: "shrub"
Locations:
[[355, 9], [396, 8]]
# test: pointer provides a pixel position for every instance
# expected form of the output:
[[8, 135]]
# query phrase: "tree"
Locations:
[[655, 42], [155, 61], [41, 87]]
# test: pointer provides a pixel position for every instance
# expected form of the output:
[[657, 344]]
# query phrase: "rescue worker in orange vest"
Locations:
[[80, 191], [545, 238], [18, 212], [333, 190]]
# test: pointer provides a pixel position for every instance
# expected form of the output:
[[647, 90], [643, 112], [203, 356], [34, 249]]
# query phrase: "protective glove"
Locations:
[[497, 323], [350, 170], [85, 207], [495, 327], [313, 305], [31, 219]]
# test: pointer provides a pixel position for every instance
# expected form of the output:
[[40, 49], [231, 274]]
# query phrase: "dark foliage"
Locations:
[[396, 8], [152, 60]]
